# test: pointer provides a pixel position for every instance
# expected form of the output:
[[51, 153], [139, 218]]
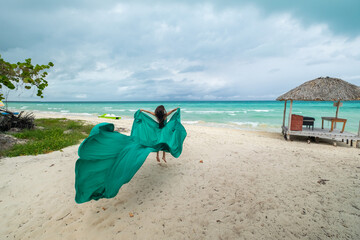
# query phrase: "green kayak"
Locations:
[[109, 116]]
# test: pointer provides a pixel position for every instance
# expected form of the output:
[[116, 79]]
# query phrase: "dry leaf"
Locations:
[[201, 161], [131, 215], [322, 181]]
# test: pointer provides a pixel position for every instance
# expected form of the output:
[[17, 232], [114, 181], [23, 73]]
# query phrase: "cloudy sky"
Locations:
[[181, 50]]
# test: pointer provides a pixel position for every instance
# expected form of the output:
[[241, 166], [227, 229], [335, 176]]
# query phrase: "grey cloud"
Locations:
[[317, 62], [274, 70], [159, 89], [196, 68], [150, 73], [163, 50], [342, 16]]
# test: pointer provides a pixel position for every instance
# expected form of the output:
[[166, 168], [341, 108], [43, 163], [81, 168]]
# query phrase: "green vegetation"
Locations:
[[49, 135], [23, 74]]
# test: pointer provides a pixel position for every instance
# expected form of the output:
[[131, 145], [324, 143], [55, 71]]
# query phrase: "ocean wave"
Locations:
[[213, 111], [116, 110], [190, 122], [260, 110], [64, 111], [246, 124], [84, 114], [227, 112], [255, 126]]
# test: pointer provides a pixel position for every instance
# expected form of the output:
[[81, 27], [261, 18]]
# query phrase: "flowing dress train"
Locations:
[[109, 159]]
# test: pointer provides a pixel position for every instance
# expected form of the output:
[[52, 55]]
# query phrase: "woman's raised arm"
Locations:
[[171, 111], [142, 110]]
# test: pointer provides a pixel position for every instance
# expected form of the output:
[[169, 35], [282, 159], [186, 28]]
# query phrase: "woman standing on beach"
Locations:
[[114, 158], [161, 115]]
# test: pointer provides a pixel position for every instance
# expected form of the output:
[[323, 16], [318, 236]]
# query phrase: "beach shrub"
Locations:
[[21, 121], [49, 135]]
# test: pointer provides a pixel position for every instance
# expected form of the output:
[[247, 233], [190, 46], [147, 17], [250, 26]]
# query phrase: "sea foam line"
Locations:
[[252, 124], [260, 110]]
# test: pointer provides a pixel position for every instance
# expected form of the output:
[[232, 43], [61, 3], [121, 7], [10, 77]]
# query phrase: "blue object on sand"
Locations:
[[5, 113]]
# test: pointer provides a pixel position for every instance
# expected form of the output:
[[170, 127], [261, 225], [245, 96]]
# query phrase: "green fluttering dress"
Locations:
[[109, 159]]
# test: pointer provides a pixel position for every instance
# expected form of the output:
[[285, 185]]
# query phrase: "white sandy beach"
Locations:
[[250, 185]]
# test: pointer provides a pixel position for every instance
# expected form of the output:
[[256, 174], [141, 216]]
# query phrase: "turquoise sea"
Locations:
[[249, 115]]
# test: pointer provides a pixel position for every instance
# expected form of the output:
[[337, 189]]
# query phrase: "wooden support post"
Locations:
[[337, 111], [289, 122], [284, 114]]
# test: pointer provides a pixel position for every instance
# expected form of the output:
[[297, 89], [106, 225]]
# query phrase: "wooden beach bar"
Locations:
[[320, 89]]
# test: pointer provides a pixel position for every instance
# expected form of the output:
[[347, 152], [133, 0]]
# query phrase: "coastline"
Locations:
[[248, 126], [250, 184], [244, 115]]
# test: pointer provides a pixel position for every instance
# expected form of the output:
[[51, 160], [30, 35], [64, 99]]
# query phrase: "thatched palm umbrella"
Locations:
[[321, 89]]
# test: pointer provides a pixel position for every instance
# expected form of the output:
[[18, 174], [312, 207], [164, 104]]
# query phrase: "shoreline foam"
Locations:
[[246, 126], [268, 114]]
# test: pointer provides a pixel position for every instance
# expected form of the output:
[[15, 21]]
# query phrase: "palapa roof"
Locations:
[[323, 89]]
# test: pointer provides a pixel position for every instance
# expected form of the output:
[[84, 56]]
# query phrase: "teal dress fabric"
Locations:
[[109, 159]]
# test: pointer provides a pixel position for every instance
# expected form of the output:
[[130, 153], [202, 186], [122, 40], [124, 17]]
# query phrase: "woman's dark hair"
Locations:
[[160, 114]]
